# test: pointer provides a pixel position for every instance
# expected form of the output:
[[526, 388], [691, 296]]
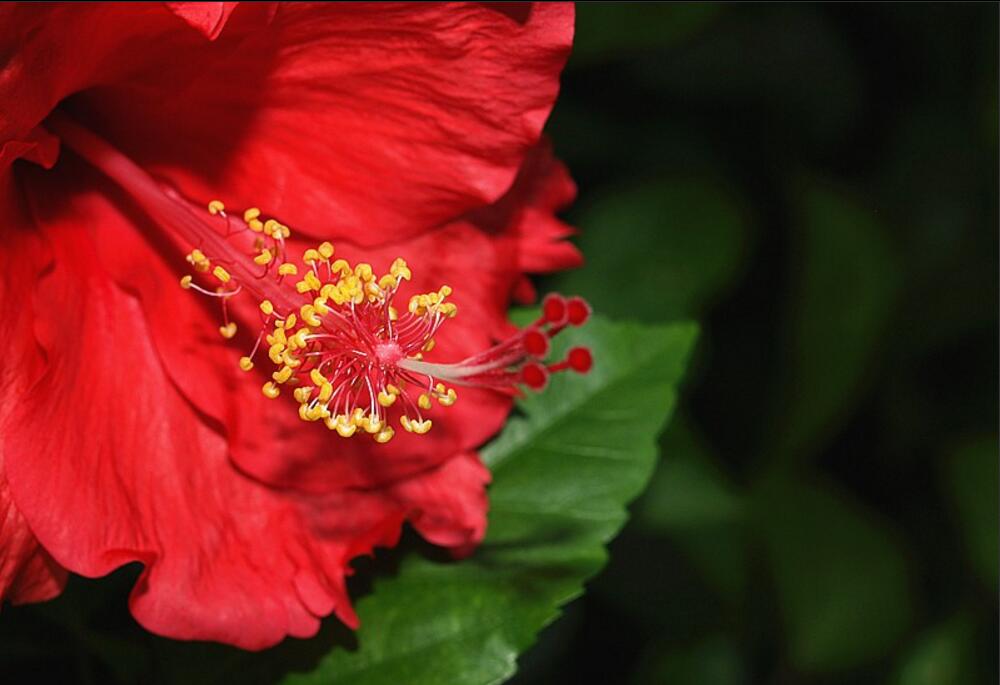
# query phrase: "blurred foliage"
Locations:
[[817, 184]]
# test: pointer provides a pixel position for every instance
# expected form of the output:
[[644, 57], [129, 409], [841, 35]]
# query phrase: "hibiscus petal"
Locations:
[[207, 17], [142, 477], [27, 572], [365, 122]]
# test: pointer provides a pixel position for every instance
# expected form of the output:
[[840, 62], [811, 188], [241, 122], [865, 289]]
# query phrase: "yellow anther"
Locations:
[[270, 390], [420, 427], [342, 267], [424, 402], [216, 206], [251, 214], [325, 250], [283, 374], [246, 363], [275, 351], [407, 424], [309, 315], [393, 313], [318, 378], [384, 435], [288, 269], [221, 274], [186, 282], [429, 345], [419, 356], [302, 287], [400, 270], [371, 426], [310, 256], [446, 399], [290, 321], [278, 336], [345, 428], [299, 338], [319, 304], [264, 258], [393, 389], [364, 271], [267, 307], [255, 225], [386, 399], [325, 392], [269, 226], [289, 359], [228, 331], [444, 291], [387, 282], [313, 281], [283, 231], [304, 411], [302, 394]]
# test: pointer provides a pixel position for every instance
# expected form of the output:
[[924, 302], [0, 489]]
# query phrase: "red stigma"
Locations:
[[577, 311], [554, 308], [580, 359]]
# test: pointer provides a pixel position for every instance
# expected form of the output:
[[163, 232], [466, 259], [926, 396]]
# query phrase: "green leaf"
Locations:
[[944, 654], [841, 579], [844, 280], [674, 242], [972, 474], [563, 472]]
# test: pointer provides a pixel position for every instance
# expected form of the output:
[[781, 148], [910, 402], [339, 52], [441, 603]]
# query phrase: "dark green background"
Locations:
[[817, 185]]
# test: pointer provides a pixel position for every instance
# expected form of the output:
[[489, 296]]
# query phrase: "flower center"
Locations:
[[333, 332]]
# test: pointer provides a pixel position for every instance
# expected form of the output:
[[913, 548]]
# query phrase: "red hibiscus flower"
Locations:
[[128, 431]]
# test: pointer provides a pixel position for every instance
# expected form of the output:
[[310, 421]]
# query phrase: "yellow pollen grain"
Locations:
[[216, 206], [283, 374], [270, 390], [228, 331], [264, 258], [386, 399], [246, 363], [325, 392], [288, 269], [251, 214], [267, 307], [384, 435], [424, 402], [221, 274], [317, 378], [325, 250], [255, 225], [186, 282]]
